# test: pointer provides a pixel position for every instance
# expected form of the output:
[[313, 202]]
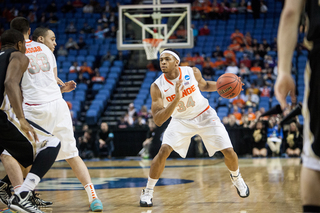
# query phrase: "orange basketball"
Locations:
[[229, 85]]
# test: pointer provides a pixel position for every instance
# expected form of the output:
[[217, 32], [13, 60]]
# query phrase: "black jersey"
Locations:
[[4, 62], [313, 12]]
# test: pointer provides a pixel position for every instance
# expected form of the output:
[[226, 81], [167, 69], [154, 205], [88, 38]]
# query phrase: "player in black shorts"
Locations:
[[28, 143], [287, 38]]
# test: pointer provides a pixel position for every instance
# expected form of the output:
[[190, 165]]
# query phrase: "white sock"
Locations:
[[16, 189], [90, 192], [29, 183], [151, 183], [235, 173]]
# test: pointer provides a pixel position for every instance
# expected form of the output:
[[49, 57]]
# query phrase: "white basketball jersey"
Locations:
[[39, 84], [192, 102]]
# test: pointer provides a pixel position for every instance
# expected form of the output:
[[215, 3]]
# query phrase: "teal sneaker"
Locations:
[[96, 205]]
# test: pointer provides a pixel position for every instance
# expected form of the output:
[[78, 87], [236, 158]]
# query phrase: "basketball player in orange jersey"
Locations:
[[43, 102], [176, 93]]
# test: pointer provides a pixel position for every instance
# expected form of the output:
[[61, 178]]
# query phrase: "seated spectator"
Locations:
[[234, 6], [97, 78], [77, 3], [252, 99], [225, 120], [293, 146], [71, 28], [263, 7], [237, 36], [86, 69], [248, 39], [113, 19], [244, 71], [239, 102], [52, 19], [235, 46], [204, 31], [81, 43], [132, 114], [103, 19], [265, 91], [32, 17], [224, 11], [190, 59], [259, 140], [86, 29], [195, 31], [105, 140], [144, 152], [75, 68], [52, 8], [246, 61], [181, 32], [232, 68], [99, 33], [255, 68], [144, 113], [61, 51], [253, 87], [262, 51], [140, 122], [257, 59], [107, 7], [218, 52], [219, 63], [112, 33], [86, 145], [269, 78], [269, 60], [83, 79], [198, 59], [88, 8], [230, 56], [237, 114], [108, 57], [250, 114], [242, 7], [232, 123], [71, 44], [122, 123], [274, 136], [68, 7], [207, 70], [265, 44]]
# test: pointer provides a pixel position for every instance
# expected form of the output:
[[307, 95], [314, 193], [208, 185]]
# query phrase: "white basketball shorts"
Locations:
[[208, 125]]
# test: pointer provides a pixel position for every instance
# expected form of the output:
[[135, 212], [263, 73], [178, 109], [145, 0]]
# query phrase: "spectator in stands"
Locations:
[[239, 102], [32, 17], [144, 153], [190, 59], [255, 68], [108, 57], [86, 69], [196, 9], [269, 78], [67, 8], [273, 45], [122, 123], [140, 122], [112, 33], [232, 68], [71, 44], [52, 8], [242, 8], [86, 29], [103, 19], [195, 31], [255, 43], [33, 7], [86, 145], [207, 70], [75, 68], [97, 8], [71, 28], [259, 140], [238, 36], [248, 39], [235, 46], [97, 78], [105, 140], [224, 11], [113, 19], [253, 87], [234, 6], [246, 61], [61, 51], [265, 44], [77, 3], [275, 135], [244, 71], [236, 113], [88, 8], [144, 113], [232, 123], [265, 91], [225, 120], [262, 51], [81, 43], [107, 7], [263, 7], [52, 19], [229, 56], [204, 31], [132, 114], [218, 52], [258, 60], [251, 115], [198, 59], [99, 33], [219, 63], [23, 11], [252, 100], [83, 79], [181, 32], [268, 59], [293, 145]]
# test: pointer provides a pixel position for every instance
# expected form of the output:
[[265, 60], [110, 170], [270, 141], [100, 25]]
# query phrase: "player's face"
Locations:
[[167, 62], [50, 40]]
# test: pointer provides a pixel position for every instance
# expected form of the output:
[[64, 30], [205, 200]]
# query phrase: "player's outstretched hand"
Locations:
[[60, 82], [285, 86], [179, 88], [27, 128], [69, 86]]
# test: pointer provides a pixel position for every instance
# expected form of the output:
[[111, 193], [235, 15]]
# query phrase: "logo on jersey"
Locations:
[[187, 77], [166, 90]]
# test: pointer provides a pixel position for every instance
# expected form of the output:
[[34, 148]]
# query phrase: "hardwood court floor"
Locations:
[[201, 186]]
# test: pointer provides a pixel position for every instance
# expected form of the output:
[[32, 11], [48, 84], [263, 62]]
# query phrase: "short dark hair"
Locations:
[[21, 24], [40, 31], [11, 37], [175, 51]]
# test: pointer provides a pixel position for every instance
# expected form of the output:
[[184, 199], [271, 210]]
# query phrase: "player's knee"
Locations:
[[165, 151], [228, 153]]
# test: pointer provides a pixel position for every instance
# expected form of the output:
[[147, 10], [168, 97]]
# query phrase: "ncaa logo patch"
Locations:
[[187, 77]]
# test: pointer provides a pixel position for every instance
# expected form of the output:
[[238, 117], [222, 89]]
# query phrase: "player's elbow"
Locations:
[[290, 13], [157, 122]]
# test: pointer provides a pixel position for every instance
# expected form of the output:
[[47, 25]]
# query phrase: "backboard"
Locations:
[[170, 22]]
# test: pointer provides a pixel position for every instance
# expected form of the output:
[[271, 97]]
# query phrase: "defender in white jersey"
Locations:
[[46, 105], [176, 94]]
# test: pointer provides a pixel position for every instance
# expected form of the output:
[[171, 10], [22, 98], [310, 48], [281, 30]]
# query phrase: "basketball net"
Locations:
[[152, 46]]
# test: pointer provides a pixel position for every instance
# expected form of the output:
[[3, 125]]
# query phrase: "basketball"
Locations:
[[229, 85]]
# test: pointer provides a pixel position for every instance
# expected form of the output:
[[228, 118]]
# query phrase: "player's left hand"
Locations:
[[69, 86], [285, 86]]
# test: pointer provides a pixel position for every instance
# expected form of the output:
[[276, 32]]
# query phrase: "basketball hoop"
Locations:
[[152, 46]]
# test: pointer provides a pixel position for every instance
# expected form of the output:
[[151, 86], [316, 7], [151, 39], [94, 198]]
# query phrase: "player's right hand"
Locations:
[[285, 86], [28, 130], [179, 88]]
